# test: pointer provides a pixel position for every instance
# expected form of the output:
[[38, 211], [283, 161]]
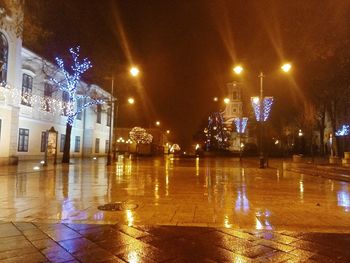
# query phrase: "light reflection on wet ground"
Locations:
[[196, 192]]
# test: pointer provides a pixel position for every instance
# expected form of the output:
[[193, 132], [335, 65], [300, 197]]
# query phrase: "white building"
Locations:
[[30, 104], [233, 110]]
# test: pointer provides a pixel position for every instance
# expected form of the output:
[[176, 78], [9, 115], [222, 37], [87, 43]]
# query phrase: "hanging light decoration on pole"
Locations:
[[241, 125]]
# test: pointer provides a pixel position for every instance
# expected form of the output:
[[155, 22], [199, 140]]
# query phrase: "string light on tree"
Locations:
[[69, 86], [140, 136], [267, 105], [216, 134]]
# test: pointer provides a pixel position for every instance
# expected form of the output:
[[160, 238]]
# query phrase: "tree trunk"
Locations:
[[333, 115], [66, 151], [321, 127]]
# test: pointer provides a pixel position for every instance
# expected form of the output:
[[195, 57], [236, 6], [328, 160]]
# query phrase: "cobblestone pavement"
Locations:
[[174, 210], [39, 242]]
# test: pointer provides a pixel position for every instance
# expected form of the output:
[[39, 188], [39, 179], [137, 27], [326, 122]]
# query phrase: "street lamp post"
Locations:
[[238, 70], [134, 71], [259, 103], [261, 119], [111, 124]]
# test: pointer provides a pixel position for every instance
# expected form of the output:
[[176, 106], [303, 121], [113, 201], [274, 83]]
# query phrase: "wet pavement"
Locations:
[[40, 242], [176, 210]]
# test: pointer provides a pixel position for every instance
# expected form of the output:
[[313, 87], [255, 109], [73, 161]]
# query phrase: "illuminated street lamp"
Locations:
[[238, 69], [226, 100], [158, 123], [134, 72], [168, 131], [262, 107], [286, 67], [131, 100]]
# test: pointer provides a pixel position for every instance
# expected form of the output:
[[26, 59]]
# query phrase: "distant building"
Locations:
[[123, 143], [27, 96], [233, 110]]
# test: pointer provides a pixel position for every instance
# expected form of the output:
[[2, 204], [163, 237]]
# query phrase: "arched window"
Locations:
[[3, 58]]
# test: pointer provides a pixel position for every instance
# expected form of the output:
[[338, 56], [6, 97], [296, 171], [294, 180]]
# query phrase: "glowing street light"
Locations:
[[134, 71], [286, 67], [226, 100], [238, 69], [168, 131], [131, 100], [215, 99], [158, 123]]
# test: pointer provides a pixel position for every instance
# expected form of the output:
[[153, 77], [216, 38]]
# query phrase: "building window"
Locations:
[[77, 144], [235, 95], [79, 106], [62, 141], [97, 145], [43, 141], [23, 139], [99, 110], [27, 87], [65, 102], [3, 58], [48, 92], [107, 146], [109, 115]]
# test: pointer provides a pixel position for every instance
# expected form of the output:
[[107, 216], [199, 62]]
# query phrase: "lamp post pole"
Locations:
[[261, 119], [111, 125], [241, 124]]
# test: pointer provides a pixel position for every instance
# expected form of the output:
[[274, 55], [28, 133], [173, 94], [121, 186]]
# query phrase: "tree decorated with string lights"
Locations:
[[77, 101], [140, 136], [217, 136]]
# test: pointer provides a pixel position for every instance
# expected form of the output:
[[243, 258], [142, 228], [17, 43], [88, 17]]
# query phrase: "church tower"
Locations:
[[234, 108]]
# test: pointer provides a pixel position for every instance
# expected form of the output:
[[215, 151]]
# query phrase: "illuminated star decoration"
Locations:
[[268, 101], [344, 131], [241, 124]]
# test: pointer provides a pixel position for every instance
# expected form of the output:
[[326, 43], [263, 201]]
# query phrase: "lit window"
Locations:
[[65, 100], [48, 91], [27, 87], [3, 58]]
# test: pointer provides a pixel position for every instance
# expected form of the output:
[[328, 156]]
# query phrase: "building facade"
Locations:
[[234, 110], [30, 104]]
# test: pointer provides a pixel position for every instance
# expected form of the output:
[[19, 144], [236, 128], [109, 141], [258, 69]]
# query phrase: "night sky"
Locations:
[[186, 50]]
